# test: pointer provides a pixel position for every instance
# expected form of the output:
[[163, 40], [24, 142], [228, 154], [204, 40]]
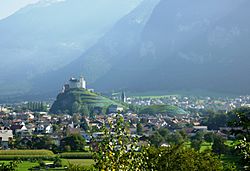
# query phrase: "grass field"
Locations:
[[76, 155], [208, 146], [228, 158], [82, 162], [25, 165]]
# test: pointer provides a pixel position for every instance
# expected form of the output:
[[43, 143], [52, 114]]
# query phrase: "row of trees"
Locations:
[[73, 142]]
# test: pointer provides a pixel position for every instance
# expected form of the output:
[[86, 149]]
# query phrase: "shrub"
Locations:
[[42, 163], [9, 167], [57, 162]]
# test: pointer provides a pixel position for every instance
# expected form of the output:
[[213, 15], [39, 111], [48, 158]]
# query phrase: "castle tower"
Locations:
[[82, 82], [73, 83]]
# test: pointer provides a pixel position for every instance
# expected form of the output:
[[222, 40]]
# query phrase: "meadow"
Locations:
[[31, 158], [26, 165]]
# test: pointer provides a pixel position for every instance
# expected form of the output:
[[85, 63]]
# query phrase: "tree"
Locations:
[[75, 141], [84, 125], [139, 128], [176, 138], [45, 142], [197, 140], [116, 149], [199, 136], [75, 108], [164, 132], [55, 127], [209, 137], [184, 135], [241, 121], [156, 139], [177, 157], [196, 144], [11, 166], [75, 118], [215, 120], [85, 110], [219, 146], [103, 110], [57, 162]]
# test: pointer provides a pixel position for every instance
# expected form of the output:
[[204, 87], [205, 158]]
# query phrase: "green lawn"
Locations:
[[82, 162], [225, 158], [25, 165]]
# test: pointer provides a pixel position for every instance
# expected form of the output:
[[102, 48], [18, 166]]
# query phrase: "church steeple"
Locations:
[[123, 97]]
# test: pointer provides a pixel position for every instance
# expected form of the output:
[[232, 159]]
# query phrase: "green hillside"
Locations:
[[80, 100]]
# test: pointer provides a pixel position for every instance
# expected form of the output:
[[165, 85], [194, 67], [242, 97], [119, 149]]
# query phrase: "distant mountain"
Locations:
[[99, 59], [188, 45], [184, 45], [50, 34], [172, 45], [196, 45]]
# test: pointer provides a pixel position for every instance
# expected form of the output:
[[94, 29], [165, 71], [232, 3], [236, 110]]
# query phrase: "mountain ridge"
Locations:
[[180, 45], [172, 56], [50, 37]]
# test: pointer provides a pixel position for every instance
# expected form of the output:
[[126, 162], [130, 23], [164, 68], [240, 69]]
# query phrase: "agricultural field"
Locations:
[[26, 165], [76, 155], [26, 154], [31, 158], [81, 162]]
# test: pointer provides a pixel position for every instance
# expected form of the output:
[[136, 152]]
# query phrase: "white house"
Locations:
[[6, 135], [48, 129]]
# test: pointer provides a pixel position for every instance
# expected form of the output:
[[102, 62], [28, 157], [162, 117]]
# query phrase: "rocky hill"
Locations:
[[81, 100]]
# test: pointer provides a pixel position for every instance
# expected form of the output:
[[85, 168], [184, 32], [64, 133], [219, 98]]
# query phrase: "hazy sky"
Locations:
[[8, 7]]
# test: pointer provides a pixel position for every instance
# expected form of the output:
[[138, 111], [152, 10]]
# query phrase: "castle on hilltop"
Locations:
[[75, 83]]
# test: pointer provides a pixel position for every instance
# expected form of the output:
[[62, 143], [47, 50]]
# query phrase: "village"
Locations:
[[73, 132], [19, 127], [72, 135]]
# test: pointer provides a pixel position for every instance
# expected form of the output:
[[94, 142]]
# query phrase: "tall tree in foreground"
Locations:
[[117, 150], [175, 158], [241, 126]]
